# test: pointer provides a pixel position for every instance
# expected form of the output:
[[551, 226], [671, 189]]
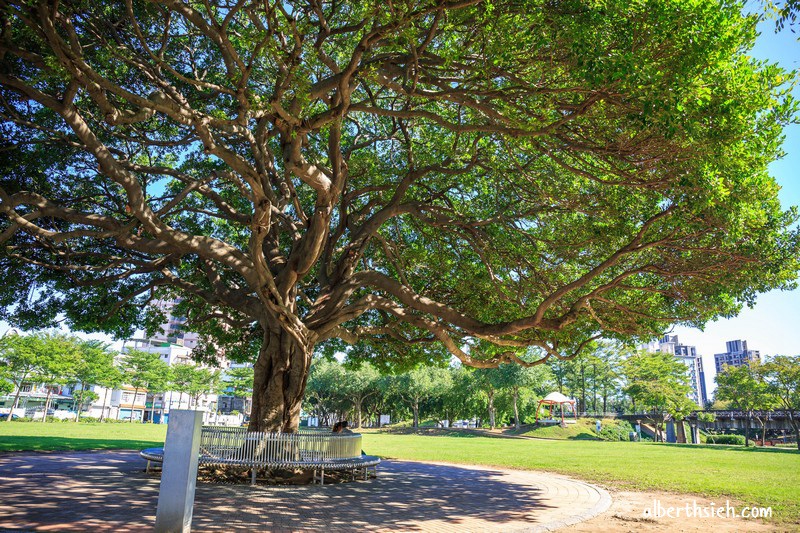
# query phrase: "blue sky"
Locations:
[[771, 326]]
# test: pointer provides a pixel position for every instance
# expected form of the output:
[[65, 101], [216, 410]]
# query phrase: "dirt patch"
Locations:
[[634, 512]]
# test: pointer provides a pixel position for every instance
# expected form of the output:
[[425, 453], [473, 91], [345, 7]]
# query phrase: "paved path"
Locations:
[[108, 491]]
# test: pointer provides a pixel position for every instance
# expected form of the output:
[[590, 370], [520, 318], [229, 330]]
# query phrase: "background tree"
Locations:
[[657, 383], [206, 381], [744, 386], [143, 370], [419, 385], [60, 356], [239, 384], [488, 381], [782, 374], [513, 378], [23, 354], [111, 378], [159, 384], [181, 379], [92, 366], [359, 384], [6, 385], [84, 401], [302, 173], [324, 395], [459, 400]]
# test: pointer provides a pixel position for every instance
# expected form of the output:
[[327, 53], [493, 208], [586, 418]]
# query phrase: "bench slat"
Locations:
[[305, 450]]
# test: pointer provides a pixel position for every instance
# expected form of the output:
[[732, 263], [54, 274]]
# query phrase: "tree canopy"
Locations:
[[416, 179]]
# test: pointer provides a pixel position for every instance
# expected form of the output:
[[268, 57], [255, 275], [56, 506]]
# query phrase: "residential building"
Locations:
[[32, 399], [694, 364], [737, 354], [159, 404], [174, 330], [129, 403]]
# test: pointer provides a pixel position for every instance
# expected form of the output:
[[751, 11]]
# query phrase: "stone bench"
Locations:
[[308, 450]]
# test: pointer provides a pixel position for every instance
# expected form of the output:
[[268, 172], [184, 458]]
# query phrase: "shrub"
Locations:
[[617, 430], [725, 439]]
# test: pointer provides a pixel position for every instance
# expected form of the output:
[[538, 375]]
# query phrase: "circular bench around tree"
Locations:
[[308, 450]]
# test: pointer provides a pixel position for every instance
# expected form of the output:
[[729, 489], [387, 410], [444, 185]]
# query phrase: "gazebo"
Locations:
[[553, 399]]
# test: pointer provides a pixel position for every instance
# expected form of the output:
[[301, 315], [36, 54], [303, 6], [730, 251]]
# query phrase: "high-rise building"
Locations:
[[174, 329], [689, 357], [737, 355]]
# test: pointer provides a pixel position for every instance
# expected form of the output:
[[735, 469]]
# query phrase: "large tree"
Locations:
[[407, 177]]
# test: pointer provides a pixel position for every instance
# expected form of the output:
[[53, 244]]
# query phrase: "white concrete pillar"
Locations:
[[179, 473]]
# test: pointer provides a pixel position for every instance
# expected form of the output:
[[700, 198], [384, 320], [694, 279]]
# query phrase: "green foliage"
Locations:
[[726, 439], [239, 381], [706, 417], [618, 430], [498, 176], [144, 370], [744, 387], [614, 181], [187, 378], [656, 381], [782, 376]]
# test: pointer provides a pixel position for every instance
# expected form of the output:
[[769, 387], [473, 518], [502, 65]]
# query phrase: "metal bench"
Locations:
[[308, 450]]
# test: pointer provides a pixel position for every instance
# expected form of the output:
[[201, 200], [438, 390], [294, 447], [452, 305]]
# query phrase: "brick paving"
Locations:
[[108, 491]]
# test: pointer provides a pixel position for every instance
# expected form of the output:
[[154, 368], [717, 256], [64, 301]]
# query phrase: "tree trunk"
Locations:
[[103, 410], [279, 382], [133, 403], [80, 403], [358, 403], [491, 409], [46, 405], [415, 407], [16, 399], [747, 431], [515, 394]]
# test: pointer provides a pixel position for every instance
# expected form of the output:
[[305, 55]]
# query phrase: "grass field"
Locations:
[[38, 436], [750, 476]]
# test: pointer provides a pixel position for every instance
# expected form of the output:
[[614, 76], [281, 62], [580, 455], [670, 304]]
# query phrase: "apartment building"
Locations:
[[737, 354]]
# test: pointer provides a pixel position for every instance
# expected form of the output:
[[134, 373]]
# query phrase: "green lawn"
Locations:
[[751, 476], [38, 436], [583, 429]]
